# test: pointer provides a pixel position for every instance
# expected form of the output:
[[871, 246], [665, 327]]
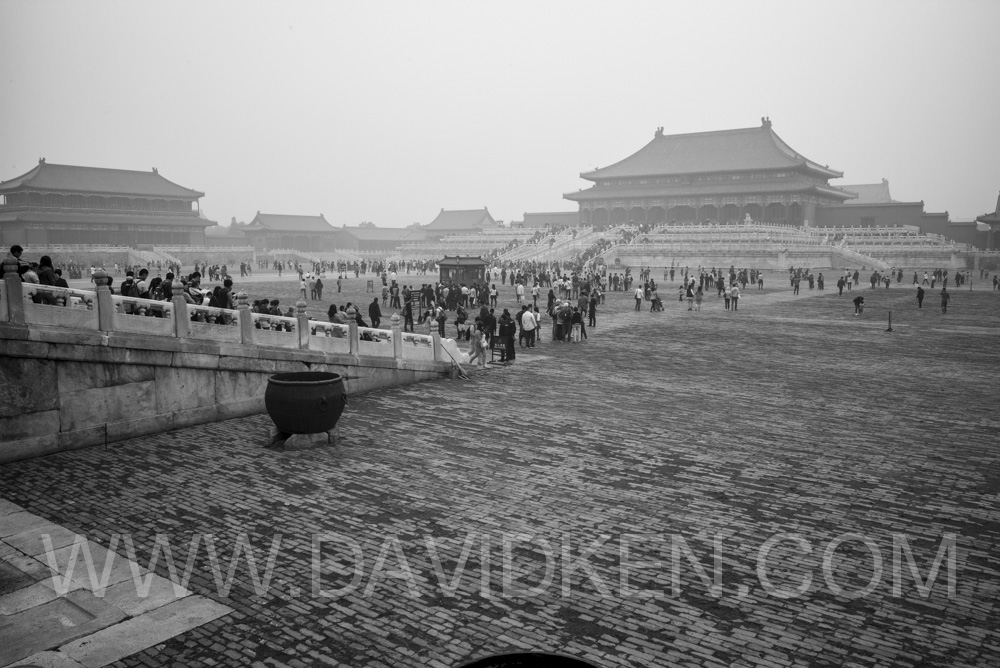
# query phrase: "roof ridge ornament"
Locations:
[[658, 133], [765, 121]]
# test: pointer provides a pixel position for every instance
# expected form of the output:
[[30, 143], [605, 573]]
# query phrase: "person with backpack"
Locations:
[[142, 285], [167, 286], [222, 295], [128, 287]]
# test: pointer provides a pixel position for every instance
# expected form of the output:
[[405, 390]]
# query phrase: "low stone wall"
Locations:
[[80, 368], [62, 390], [822, 257]]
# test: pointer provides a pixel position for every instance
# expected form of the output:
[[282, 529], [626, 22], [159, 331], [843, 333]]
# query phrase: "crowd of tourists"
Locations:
[[568, 293]]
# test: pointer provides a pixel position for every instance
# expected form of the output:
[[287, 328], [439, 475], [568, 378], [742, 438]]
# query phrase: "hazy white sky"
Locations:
[[390, 111]]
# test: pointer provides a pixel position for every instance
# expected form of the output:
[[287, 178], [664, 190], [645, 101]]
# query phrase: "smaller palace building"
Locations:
[[719, 176], [459, 221], [67, 204], [269, 231]]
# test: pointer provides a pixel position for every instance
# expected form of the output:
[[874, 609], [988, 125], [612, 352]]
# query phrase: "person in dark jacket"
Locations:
[[375, 313], [508, 329]]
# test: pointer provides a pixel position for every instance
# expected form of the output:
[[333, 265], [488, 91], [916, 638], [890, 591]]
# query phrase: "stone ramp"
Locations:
[[53, 613]]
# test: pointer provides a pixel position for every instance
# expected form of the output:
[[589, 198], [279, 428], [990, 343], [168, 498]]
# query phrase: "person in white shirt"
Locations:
[[520, 293], [638, 299], [528, 326]]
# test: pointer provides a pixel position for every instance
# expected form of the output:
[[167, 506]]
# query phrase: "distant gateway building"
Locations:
[[67, 204], [290, 232], [721, 176]]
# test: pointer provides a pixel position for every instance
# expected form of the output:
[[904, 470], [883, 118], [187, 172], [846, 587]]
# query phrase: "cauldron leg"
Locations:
[[276, 437]]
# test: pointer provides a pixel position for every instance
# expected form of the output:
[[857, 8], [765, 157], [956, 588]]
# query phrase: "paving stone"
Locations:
[[147, 630], [31, 542], [13, 578], [28, 597], [19, 521], [8, 507], [49, 660], [52, 624], [133, 601], [75, 568]]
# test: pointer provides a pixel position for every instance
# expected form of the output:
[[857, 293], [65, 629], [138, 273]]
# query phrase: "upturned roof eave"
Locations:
[[26, 182], [593, 193]]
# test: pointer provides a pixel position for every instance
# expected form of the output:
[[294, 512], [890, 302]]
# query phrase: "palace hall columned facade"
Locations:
[[720, 176], [67, 204]]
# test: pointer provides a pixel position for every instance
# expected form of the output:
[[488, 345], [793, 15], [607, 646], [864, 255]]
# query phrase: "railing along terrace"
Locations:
[[202, 249], [43, 249], [100, 310]]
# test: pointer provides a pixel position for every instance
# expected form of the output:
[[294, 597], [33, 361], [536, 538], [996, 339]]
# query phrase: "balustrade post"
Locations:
[[105, 304], [303, 324], [13, 308], [182, 321], [436, 345], [245, 317], [397, 337], [352, 326]]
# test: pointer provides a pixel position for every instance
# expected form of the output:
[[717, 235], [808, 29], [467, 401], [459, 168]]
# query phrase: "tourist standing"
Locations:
[[735, 296], [945, 298], [528, 326], [507, 331]]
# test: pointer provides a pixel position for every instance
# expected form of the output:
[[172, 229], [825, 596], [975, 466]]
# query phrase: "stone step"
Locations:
[[116, 642]]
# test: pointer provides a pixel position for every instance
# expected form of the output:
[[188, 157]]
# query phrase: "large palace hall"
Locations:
[[721, 176], [69, 204], [726, 176]]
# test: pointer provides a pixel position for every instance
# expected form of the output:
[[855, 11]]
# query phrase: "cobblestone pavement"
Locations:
[[677, 437]]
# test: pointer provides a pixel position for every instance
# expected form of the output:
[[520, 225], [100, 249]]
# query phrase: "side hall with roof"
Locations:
[[874, 206], [376, 239], [69, 204], [719, 176], [460, 221], [304, 233]]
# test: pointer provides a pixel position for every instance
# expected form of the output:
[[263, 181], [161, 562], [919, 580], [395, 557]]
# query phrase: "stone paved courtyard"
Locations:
[[690, 429]]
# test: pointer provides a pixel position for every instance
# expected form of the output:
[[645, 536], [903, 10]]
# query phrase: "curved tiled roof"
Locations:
[[869, 193], [991, 218], [745, 149], [279, 222], [462, 261], [462, 219], [734, 188], [97, 181]]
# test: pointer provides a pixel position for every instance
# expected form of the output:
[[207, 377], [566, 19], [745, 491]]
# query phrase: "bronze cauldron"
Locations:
[[305, 402]]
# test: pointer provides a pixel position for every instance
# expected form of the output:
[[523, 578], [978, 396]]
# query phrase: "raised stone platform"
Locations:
[[61, 617]]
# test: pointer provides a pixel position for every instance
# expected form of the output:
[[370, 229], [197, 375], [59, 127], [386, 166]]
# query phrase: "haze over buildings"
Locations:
[[388, 111]]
